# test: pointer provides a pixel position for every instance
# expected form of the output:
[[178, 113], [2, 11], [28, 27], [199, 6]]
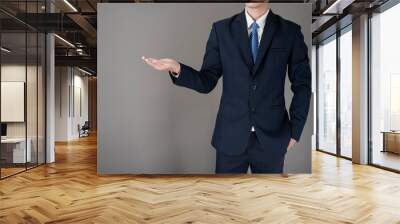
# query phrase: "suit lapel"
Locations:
[[266, 39], [241, 37]]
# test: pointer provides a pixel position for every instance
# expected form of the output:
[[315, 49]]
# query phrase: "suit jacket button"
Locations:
[[254, 86], [253, 109]]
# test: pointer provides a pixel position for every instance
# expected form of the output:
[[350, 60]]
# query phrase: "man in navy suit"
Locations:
[[253, 51]]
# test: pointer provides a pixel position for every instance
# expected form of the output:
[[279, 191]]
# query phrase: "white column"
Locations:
[[50, 79], [50, 92]]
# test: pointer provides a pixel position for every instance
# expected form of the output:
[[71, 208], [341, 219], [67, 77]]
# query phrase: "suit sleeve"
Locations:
[[206, 79], [300, 77]]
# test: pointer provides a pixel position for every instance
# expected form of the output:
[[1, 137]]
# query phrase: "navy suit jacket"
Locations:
[[253, 93]]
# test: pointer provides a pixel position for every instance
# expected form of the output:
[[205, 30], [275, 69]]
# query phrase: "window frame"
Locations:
[[333, 37]]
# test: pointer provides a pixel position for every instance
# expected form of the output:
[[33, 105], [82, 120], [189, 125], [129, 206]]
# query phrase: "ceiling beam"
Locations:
[[84, 24], [82, 61]]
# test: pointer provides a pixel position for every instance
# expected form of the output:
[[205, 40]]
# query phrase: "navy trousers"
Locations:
[[258, 159]]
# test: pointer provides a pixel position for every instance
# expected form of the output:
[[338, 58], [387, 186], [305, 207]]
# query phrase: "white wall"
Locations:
[[80, 84], [17, 73], [68, 83]]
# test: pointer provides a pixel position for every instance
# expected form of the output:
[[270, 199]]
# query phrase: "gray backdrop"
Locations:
[[145, 123]]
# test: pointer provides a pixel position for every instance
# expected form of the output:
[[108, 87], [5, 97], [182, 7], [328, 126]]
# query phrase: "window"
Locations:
[[327, 96], [346, 74], [334, 94], [385, 89]]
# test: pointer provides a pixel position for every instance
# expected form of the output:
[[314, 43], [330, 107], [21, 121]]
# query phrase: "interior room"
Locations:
[[22, 100], [53, 130]]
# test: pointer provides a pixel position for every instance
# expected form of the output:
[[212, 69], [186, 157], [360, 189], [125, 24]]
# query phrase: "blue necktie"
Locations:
[[254, 40]]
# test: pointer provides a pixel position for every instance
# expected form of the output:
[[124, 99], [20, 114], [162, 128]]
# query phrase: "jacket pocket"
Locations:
[[284, 49]]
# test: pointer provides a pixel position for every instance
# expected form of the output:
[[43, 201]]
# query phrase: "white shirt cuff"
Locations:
[[176, 75]]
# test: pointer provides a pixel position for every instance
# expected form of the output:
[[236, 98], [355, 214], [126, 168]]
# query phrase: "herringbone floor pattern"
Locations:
[[70, 191]]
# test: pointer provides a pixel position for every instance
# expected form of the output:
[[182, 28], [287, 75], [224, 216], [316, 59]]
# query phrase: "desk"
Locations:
[[391, 141], [13, 150]]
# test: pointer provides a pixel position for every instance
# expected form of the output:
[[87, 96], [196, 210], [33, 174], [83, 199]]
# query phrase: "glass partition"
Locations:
[[22, 77], [13, 90], [32, 95]]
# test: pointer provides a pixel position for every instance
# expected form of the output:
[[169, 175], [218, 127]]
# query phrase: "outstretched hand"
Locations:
[[164, 64]]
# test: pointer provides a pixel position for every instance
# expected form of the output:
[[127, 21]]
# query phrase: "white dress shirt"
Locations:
[[261, 23]]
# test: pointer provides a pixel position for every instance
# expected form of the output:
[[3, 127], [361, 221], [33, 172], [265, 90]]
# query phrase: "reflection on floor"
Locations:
[[70, 191], [387, 159], [12, 169]]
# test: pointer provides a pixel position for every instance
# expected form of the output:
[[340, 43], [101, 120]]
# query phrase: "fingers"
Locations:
[[158, 64], [291, 144], [149, 61]]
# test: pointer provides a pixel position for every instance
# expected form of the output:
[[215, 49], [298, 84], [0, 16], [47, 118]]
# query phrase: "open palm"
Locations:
[[163, 64]]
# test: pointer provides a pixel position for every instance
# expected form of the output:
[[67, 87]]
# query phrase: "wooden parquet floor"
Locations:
[[70, 191]]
